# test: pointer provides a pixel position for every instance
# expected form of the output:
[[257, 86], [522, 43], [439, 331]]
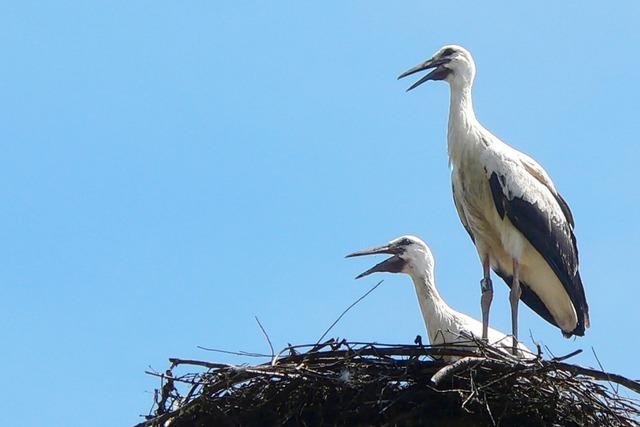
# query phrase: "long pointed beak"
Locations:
[[437, 74], [390, 265], [385, 249]]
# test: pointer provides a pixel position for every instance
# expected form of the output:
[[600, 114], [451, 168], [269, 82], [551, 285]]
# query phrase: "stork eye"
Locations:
[[405, 242], [448, 51]]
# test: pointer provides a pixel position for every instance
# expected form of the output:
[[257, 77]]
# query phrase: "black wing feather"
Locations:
[[555, 242], [565, 209]]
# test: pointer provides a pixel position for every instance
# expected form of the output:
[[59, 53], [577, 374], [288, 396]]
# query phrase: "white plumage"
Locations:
[[444, 324], [522, 228]]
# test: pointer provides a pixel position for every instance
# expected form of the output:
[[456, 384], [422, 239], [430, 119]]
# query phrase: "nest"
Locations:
[[353, 383]]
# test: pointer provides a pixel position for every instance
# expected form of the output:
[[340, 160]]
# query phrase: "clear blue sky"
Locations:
[[171, 169]]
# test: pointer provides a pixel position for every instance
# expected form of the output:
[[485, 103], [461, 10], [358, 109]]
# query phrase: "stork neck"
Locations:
[[462, 123], [461, 107], [431, 303]]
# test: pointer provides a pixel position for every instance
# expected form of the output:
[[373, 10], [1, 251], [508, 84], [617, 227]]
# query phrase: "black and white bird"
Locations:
[[521, 226], [412, 256]]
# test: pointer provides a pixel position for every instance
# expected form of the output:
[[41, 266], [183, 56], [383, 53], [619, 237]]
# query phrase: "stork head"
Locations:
[[451, 63], [409, 255]]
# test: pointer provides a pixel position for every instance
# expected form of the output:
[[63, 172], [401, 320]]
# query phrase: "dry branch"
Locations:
[[353, 383]]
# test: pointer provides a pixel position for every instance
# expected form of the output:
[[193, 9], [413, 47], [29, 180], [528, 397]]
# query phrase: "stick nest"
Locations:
[[351, 383]]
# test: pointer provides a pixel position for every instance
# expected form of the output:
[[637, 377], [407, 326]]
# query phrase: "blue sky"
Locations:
[[171, 169]]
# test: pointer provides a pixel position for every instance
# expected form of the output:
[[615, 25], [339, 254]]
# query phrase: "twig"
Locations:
[[567, 356], [348, 308], [538, 346], [549, 351], [463, 364], [600, 375], [235, 353], [180, 380], [432, 351], [273, 353], [175, 362], [601, 367]]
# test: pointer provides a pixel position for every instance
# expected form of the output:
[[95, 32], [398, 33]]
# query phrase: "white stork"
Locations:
[[519, 223], [412, 256]]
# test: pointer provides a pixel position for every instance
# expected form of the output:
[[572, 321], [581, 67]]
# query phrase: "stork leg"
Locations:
[[514, 298], [487, 296]]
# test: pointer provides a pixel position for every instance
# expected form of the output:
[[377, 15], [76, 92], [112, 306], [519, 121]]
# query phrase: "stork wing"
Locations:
[[461, 213], [536, 171], [543, 217]]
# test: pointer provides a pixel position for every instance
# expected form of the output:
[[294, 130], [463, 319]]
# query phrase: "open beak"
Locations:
[[439, 73], [390, 265]]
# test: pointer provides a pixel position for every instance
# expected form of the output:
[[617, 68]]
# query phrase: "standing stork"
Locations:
[[412, 256], [522, 228]]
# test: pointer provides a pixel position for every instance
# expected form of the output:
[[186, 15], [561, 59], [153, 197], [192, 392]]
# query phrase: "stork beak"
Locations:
[[390, 265], [439, 73]]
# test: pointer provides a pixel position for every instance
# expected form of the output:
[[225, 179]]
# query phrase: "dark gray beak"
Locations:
[[439, 73], [390, 265]]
